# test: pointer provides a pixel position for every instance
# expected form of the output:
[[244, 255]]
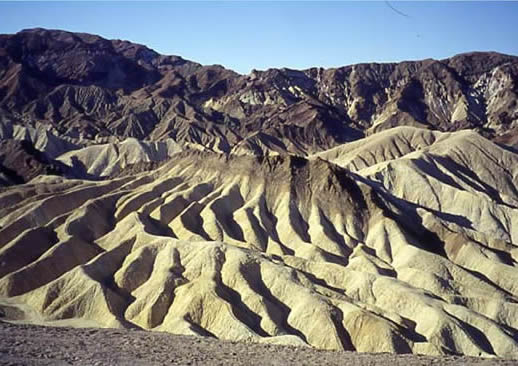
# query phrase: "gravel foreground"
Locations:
[[36, 345]]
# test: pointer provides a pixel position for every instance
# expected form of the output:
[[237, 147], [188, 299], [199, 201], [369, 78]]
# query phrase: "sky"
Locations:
[[246, 35]]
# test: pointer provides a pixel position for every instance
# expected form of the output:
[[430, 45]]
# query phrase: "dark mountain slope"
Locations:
[[84, 85]]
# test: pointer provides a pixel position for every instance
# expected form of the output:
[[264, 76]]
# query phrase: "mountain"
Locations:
[[371, 208], [82, 85]]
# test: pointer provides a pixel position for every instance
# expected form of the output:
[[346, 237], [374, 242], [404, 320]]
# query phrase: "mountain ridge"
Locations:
[[85, 88], [173, 92], [369, 208]]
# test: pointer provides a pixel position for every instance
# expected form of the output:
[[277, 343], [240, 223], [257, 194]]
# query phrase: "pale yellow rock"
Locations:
[[405, 241]]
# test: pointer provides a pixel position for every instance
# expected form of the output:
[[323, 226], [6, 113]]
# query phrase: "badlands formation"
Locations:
[[370, 208]]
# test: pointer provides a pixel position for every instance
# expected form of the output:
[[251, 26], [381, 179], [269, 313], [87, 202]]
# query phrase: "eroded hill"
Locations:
[[146, 191]]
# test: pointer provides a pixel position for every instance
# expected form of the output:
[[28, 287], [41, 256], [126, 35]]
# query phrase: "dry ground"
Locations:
[[35, 345]]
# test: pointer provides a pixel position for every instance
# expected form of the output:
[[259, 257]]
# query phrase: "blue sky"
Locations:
[[243, 35]]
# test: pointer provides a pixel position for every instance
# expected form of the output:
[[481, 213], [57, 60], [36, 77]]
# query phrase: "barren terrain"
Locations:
[[37, 346], [369, 208]]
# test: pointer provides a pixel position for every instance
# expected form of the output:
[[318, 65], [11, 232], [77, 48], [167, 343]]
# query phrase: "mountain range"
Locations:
[[371, 207]]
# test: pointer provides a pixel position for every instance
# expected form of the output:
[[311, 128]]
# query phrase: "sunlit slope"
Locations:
[[411, 251], [459, 174]]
